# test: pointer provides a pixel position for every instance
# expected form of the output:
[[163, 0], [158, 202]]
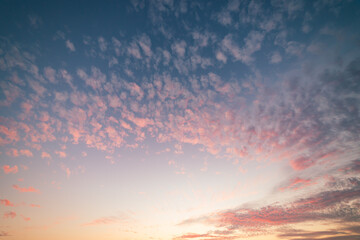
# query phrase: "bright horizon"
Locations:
[[179, 120]]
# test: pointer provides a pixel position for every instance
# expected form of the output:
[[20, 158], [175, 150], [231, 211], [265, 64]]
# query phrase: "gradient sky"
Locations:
[[174, 119]]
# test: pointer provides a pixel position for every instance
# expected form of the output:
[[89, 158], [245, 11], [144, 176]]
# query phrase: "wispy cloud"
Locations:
[[24, 189], [9, 215], [103, 220], [7, 169], [6, 202], [318, 207]]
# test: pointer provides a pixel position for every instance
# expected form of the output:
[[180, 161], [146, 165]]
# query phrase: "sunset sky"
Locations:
[[175, 119]]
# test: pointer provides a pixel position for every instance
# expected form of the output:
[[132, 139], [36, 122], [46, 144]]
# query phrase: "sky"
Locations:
[[175, 119]]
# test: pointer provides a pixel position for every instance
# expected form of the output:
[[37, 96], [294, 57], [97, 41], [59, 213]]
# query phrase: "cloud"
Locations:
[[102, 44], [9, 215], [296, 183], [6, 203], [103, 221], [50, 74], [45, 155], [179, 48], [133, 50], [275, 58], [35, 21], [26, 152], [13, 152], [4, 234], [194, 235], [145, 44], [10, 133], [34, 205], [7, 169], [26, 218], [70, 45], [252, 41], [29, 189], [224, 18], [61, 154], [96, 80], [221, 57], [217, 234], [327, 205], [343, 233]]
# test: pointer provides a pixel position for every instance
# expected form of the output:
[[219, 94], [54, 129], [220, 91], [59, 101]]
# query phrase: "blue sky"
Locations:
[[179, 119]]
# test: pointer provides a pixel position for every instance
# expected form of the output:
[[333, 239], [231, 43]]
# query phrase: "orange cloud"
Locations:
[[25, 218], [6, 202], [45, 155], [7, 169], [29, 189], [103, 220], [61, 154]]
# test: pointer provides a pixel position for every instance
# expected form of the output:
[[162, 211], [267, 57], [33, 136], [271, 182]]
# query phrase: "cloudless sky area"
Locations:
[[176, 119]]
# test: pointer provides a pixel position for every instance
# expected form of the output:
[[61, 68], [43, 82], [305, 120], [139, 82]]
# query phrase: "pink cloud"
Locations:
[[13, 152], [194, 235], [102, 221], [27, 107], [301, 163], [113, 134], [135, 90], [68, 172], [29, 189], [50, 74], [35, 205], [47, 132], [9, 215], [114, 101], [44, 117], [141, 122], [45, 155], [96, 80], [322, 206], [60, 154], [7, 169], [10, 133], [6, 202], [76, 133], [26, 152], [297, 183], [125, 125]]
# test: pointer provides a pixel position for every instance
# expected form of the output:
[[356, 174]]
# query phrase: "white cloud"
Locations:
[[221, 57], [134, 50], [102, 44], [145, 44], [252, 44], [275, 58], [224, 18], [179, 48], [233, 5], [49, 73], [70, 45]]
